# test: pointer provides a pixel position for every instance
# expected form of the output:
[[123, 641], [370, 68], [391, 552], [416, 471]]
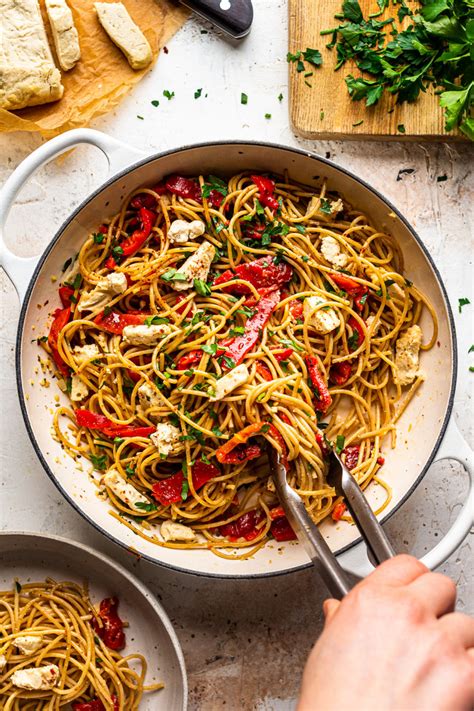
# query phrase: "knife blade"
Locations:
[[234, 17]]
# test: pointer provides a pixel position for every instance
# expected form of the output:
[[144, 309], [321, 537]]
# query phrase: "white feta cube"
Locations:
[[181, 231], [167, 439], [143, 335], [123, 490], [326, 209], [322, 318], [331, 251], [407, 356], [28, 644], [148, 397], [106, 289], [171, 531], [82, 354], [236, 377], [195, 267], [36, 678], [79, 389]]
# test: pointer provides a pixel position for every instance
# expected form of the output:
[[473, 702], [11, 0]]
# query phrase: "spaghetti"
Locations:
[[57, 651], [208, 314]]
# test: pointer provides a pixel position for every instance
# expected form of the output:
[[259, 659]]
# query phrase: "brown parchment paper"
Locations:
[[102, 77]]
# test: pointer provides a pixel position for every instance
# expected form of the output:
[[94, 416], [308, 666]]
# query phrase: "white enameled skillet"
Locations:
[[425, 432]]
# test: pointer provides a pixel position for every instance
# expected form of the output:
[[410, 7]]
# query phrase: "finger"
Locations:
[[330, 608], [436, 592], [398, 571], [459, 627]]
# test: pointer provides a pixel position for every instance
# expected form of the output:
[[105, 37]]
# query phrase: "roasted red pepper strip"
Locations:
[[253, 328], [322, 444], [182, 306], [215, 199], [225, 453], [351, 456], [243, 527], [284, 418], [95, 421], [296, 309], [61, 318], [253, 231], [184, 187], [278, 437], [115, 322], [143, 200], [281, 530], [261, 273], [277, 512], [266, 188], [284, 354], [263, 370], [323, 398], [189, 360], [356, 328], [338, 511], [132, 244], [340, 372], [94, 705], [65, 293], [169, 491], [111, 631], [353, 288]]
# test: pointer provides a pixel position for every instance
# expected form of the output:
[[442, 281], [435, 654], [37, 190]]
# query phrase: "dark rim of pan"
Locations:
[[116, 178]]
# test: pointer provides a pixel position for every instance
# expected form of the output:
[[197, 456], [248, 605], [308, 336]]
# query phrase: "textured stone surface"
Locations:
[[245, 642]]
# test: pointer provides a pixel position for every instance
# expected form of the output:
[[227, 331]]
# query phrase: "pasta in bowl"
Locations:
[[210, 314]]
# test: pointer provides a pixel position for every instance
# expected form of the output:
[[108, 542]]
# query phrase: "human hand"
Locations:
[[393, 644]]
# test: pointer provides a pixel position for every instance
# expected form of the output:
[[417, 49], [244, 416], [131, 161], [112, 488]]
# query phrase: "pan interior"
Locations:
[[419, 429]]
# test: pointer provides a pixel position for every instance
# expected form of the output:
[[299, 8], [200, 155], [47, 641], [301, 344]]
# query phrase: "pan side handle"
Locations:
[[118, 154], [454, 446]]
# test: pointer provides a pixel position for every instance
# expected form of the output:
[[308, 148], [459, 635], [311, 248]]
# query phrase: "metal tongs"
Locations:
[[379, 547]]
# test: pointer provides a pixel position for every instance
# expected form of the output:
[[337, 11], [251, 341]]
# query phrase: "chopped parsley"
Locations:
[[401, 128], [312, 56], [268, 116], [155, 102], [129, 471], [340, 440], [210, 349], [201, 287], [244, 99], [358, 123], [214, 183], [140, 117], [353, 340], [462, 302], [237, 331], [148, 508], [280, 97], [216, 431], [388, 284], [291, 343], [155, 320], [229, 362], [325, 206], [184, 490], [98, 237], [197, 93], [471, 349], [168, 94], [99, 461], [174, 275], [66, 264]]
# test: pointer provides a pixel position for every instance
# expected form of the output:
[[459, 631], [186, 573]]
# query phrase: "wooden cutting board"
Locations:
[[325, 110]]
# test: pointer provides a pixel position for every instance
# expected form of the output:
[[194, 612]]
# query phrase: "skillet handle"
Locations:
[[454, 446], [118, 154]]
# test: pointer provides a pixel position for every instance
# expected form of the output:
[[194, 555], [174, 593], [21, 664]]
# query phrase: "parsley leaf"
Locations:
[[201, 287], [244, 99], [148, 508], [210, 349], [174, 275], [168, 94], [155, 320], [340, 440], [184, 490], [462, 302], [197, 93], [99, 461]]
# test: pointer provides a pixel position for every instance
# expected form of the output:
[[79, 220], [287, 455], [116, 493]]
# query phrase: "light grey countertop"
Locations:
[[245, 642]]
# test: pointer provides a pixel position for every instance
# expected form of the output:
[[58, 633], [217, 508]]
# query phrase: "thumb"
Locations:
[[330, 607]]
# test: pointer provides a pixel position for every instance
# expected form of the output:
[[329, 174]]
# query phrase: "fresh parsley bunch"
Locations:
[[436, 48]]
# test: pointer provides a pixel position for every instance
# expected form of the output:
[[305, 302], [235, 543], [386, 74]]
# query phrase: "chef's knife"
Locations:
[[234, 17]]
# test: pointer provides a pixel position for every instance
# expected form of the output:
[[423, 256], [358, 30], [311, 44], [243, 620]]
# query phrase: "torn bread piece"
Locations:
[[28, 76], [65, 35], [114, 18]]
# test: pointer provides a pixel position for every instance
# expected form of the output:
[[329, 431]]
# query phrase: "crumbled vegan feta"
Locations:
[[84, 353], [123, 31], [181, 231], [37, 678], [195, 267], [236, 377], [148, 397], [28, 644], [79, 389], [172, 531], [167, 439], [327, 210], [3, 662], [123, 490], [143, 335], [331, 251], [105, 290], [407, 356], [324, 319]]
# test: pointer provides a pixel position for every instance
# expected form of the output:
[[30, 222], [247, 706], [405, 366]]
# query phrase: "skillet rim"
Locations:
[[176, 151]]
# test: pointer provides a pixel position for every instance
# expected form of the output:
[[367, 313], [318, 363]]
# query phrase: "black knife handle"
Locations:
[[232, 16]]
